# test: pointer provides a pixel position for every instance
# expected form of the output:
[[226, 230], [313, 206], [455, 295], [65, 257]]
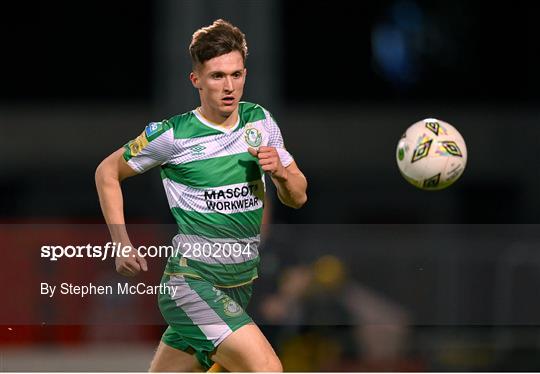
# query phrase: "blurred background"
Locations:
[[372, 274]]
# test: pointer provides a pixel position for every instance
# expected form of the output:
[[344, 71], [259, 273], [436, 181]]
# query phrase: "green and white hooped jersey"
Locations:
[[214, 187]]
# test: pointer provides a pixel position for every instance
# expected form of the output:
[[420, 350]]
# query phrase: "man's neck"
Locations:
[[217, 120]]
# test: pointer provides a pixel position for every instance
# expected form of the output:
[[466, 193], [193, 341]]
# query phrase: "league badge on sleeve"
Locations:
[[153, 128]]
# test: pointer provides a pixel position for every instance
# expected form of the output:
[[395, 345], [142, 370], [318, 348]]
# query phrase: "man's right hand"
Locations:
[[131, 264]]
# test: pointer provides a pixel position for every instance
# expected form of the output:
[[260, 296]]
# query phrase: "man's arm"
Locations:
[[292, 187], [110, 172], [291, 184]]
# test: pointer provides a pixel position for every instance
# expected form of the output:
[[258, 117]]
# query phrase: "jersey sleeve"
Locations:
[[153, 147], [276, 140]]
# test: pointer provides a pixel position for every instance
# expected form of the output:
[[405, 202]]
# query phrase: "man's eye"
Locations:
[[217, 76]]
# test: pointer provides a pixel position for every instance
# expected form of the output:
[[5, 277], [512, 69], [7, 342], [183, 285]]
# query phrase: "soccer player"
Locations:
[[213, 160]]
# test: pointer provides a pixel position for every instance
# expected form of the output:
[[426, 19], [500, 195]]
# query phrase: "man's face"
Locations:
[[220, 82]]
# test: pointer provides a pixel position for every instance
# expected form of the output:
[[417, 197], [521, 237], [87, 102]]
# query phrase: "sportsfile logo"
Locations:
[[109, 250], [112, 250]]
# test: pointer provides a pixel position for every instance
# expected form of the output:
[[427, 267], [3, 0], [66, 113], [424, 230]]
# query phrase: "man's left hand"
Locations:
[[270, 161]]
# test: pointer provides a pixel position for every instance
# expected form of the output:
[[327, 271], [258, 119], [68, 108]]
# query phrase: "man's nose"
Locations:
[[228, 84]]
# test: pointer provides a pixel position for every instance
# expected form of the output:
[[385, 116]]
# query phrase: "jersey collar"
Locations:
[[213, 125]]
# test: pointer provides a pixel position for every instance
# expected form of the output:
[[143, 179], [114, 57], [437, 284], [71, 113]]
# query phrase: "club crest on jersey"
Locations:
[[153, 128], [252, 136]]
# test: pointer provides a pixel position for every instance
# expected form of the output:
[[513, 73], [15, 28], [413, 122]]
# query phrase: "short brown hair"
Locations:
[[220, 38]]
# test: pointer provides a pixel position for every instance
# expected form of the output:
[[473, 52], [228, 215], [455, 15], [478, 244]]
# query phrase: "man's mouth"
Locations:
[[228, 100]]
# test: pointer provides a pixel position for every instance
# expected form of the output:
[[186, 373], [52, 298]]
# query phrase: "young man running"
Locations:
[[213, 160]]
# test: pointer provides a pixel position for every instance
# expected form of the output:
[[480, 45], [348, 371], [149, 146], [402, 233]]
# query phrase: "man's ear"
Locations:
[[194, 78]]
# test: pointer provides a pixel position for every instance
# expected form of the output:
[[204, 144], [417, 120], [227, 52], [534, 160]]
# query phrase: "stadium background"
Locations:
[[438, 281]]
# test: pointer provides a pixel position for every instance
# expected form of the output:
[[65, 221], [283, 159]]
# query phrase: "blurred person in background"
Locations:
[[213, 160], [345, 325]]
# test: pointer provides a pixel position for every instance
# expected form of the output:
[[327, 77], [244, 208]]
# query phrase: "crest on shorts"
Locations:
[[231, 308], [252, 136]]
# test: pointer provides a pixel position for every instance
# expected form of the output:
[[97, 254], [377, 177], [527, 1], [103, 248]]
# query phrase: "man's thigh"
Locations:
[[247, 349], [200, 316], [169, 359]]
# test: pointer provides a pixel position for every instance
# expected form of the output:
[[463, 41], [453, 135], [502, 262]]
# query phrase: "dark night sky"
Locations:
[[469, 50], [78, 50], [463, 50]]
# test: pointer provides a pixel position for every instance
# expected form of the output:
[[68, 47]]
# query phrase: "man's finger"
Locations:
[[268, 168], [133, 266], [266, 161], [142, 262], [270, 150], [263, 155], [252, 151]]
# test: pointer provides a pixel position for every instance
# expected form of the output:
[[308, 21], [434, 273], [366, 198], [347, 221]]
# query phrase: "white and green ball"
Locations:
[[431, 154]]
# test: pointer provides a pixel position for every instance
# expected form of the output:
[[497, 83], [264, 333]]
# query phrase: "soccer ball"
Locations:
[[431, 154]]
